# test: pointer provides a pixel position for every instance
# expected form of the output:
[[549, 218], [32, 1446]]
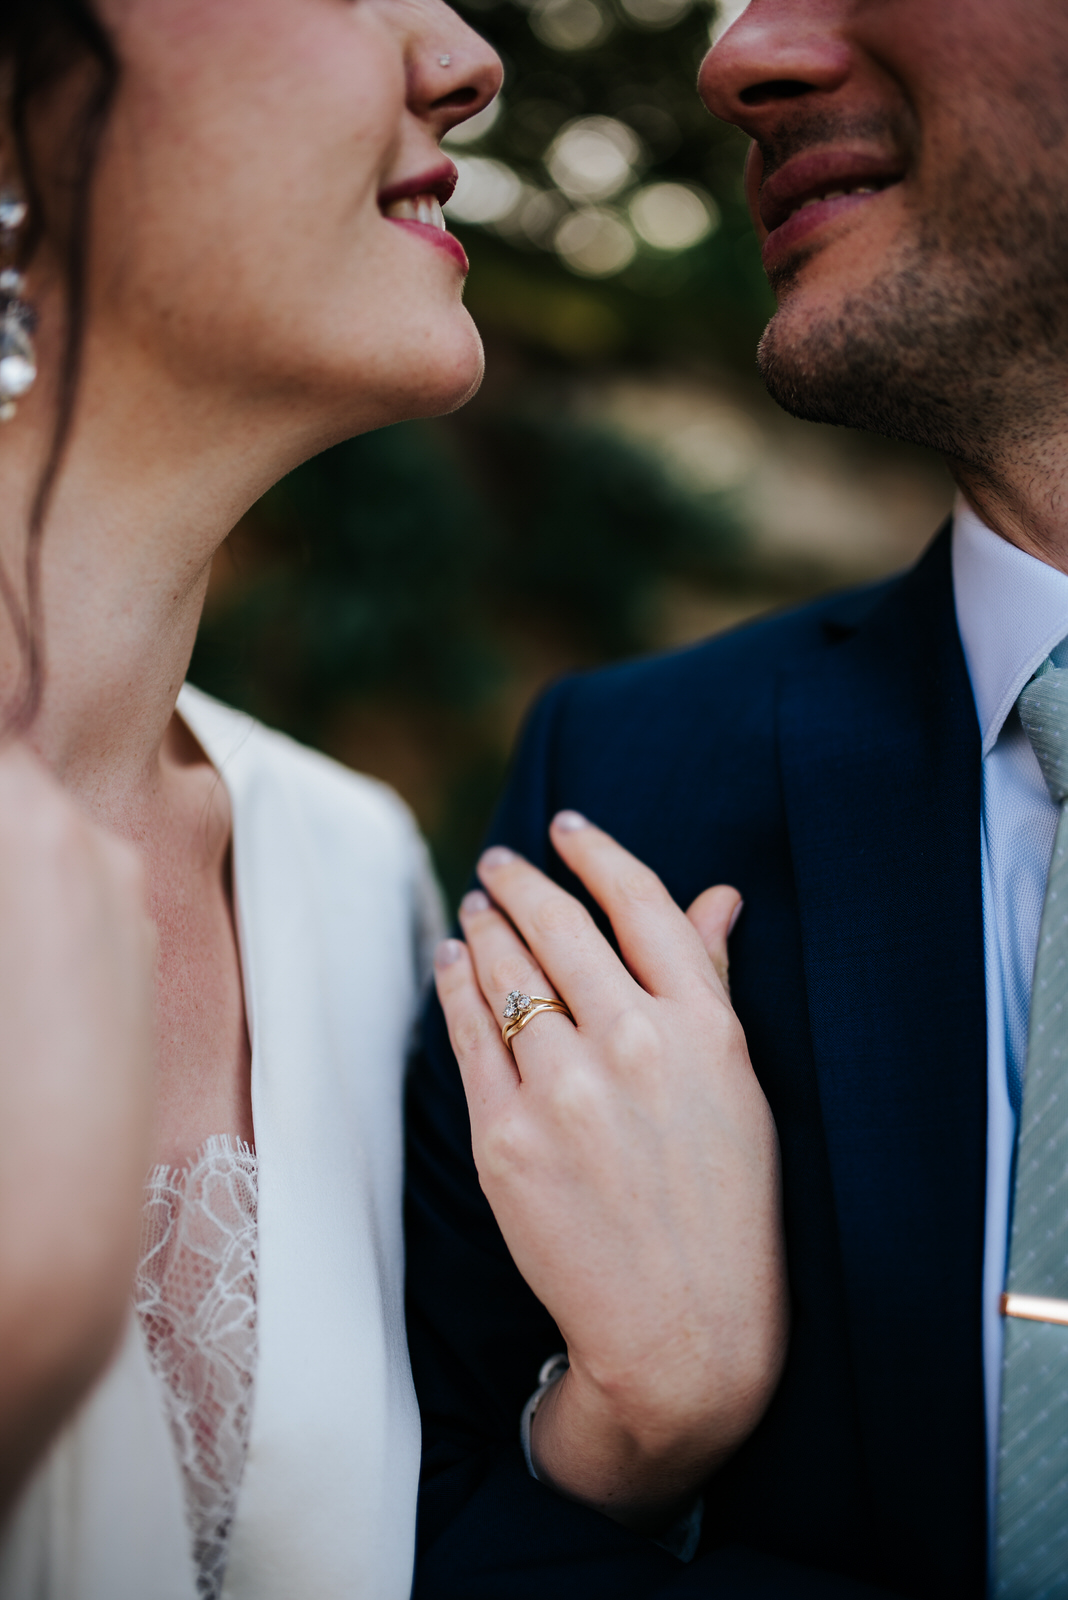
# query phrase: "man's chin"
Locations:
[[783, 374], [802, 371], [854, 370]]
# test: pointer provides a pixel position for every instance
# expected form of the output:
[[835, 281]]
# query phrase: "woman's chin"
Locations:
[[431, 373], [444, 378], [465, 382]]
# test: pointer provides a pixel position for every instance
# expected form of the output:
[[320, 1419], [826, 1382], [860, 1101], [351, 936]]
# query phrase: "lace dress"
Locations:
[[195, 1294]]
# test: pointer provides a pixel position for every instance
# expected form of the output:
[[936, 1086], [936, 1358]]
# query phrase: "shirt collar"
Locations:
[[1012, 610]]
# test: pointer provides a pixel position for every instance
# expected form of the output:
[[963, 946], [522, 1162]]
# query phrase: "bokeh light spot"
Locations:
[[726, 14], [539, 215], [485, 191], [656, 13], [570, 24], [594, 157], [475, 127], [673, 216], [595, 242]]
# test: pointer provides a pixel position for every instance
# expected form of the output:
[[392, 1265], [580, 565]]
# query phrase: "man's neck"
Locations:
[[1023, 496]]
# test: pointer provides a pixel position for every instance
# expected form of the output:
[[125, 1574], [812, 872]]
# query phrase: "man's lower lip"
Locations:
[[797, 228], [444, 240]]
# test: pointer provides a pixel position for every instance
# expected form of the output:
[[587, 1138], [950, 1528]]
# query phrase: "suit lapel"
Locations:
[[880, 755]]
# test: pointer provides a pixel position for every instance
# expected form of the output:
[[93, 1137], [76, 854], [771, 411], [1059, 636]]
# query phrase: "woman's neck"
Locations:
[[150, 485], [152, 481]]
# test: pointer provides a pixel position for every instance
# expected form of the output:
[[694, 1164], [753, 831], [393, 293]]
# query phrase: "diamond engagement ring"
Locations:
[[519, 1008]]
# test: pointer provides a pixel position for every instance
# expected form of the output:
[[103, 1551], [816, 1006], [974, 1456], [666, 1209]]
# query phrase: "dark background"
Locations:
[[621, 483]]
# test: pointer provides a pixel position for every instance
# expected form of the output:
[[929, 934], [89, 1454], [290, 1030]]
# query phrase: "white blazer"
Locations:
[[336, 911]]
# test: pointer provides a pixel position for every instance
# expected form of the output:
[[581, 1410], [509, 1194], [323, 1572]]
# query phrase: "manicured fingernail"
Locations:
[[498, 856], [448, 952], [474, 901], [569, 821], [735, 914]]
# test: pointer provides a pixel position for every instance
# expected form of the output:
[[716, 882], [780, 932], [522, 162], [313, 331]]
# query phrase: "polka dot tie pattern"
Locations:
[[1031, 1537]]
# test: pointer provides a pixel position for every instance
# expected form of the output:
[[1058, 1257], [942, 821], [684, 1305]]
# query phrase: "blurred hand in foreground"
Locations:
[[76, 1055], [632, 1164]]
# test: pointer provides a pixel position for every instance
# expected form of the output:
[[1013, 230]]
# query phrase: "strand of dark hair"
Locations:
[[43, 40]]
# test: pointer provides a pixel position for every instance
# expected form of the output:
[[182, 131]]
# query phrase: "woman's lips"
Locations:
[[444, 241], [422, 214], [811, 214]]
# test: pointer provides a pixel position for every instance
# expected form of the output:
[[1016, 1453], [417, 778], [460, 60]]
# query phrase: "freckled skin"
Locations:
[[240, 233], [249, 304]]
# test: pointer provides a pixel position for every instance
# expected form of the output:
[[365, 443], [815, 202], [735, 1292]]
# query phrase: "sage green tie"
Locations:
[[1031, 1538]]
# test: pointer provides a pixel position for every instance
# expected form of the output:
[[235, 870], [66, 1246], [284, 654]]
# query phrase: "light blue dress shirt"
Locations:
[[1012, 612]]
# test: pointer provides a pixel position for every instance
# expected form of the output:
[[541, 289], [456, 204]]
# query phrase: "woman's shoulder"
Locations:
[[261, 766], [350, 839]]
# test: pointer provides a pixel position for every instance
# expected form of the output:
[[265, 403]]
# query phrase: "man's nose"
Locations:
[[776, 51]]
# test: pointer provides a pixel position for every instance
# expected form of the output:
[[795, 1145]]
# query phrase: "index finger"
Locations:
[[658, 942], [561, 935]]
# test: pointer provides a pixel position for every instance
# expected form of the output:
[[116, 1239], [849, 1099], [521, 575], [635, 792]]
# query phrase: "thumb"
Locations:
[[714, 914]]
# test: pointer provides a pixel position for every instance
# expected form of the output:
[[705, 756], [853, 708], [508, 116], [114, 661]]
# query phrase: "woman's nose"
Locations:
[[453, 72], [776, 51]]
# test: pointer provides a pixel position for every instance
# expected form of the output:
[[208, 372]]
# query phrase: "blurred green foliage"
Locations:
[[415, 568], [366, 557]]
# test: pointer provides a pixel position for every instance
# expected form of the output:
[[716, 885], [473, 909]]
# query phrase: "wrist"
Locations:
[[640, 1468]]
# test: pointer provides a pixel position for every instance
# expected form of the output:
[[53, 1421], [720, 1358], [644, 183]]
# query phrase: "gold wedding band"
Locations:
[[519, 1008]]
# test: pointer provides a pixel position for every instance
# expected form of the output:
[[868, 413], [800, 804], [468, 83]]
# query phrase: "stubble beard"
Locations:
[[960, 343]]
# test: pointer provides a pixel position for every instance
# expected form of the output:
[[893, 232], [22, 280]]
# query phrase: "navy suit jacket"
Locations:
[[827, 763]]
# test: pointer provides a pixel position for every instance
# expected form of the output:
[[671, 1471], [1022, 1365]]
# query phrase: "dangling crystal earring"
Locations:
[[18, 359]]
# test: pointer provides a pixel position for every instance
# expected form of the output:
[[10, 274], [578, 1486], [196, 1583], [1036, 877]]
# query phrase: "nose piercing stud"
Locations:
[[443, 61]]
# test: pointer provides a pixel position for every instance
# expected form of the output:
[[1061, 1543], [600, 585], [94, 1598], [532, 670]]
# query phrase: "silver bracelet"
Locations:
[[684, 1535], [549, 1375]]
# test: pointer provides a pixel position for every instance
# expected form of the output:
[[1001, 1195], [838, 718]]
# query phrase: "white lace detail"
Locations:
[[195, 1294]]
